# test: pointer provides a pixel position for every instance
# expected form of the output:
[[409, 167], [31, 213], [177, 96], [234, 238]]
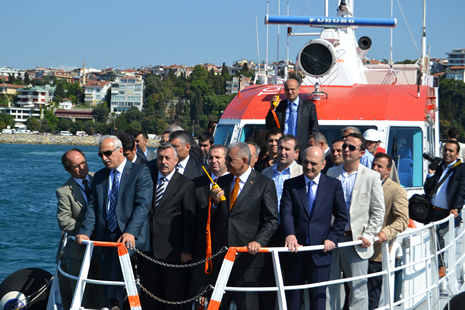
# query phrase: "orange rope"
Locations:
[[209, 263]]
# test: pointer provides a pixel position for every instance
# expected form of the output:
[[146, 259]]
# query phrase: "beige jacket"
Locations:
[[295, 171], [396, 218]]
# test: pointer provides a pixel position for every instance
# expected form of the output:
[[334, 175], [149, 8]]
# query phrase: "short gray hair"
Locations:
[[183, 136], [173, 127], [115, 139], [244, 150], [318, 137], [255, 145], [166, 145], [355, 129]]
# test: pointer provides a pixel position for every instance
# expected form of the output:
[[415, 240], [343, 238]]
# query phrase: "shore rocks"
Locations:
[[65, 140]]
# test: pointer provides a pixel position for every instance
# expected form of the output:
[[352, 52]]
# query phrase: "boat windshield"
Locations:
[[335, 132], [249, 131], [405, 145], [223, 134]]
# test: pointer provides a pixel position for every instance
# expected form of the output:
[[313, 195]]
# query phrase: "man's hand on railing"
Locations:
[[253, 247], [79, 238], [128, 240], [454, 212], [382, 237], [291, 243], [329, 246], [365, 242]]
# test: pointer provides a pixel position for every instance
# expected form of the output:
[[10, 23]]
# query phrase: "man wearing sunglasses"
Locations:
[[364, 199], [248, 217], [117, 211]]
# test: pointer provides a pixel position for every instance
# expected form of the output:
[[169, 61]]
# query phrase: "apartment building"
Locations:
[[127, 92]]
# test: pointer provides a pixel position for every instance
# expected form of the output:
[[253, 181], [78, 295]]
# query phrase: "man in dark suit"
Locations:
[[319, 139], [248, 217], [72, 197], [187, 165], [308, 204], [130, 150], [450, 196], [172, 218], [294, 116], [117, 211], [141, 138]]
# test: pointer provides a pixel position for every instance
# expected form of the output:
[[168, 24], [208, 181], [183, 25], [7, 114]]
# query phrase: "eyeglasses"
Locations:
[[350, 146], [231, 159], [78, 165], [107, 153]]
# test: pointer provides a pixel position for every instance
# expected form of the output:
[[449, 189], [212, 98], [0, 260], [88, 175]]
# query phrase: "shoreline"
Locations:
[[57, 140]]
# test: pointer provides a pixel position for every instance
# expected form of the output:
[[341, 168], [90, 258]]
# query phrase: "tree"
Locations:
[[121, 123], [77, 126], [59, 92], [133, 127], [27, 80], [89, 127], [9, 120], [33, 124], [51, 120], [11, 78], [101, 113], [224, 69], [2, 125], [406, 62], [64, 124]]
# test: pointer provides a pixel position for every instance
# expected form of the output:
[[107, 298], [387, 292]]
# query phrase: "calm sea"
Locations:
[[29, 176]]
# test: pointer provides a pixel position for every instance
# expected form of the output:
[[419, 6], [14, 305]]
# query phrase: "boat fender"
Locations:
[[457, 302], [17, 289]]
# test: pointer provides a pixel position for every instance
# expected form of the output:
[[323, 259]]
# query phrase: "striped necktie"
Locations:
[[111, 216], [87, 189], [160, 191]]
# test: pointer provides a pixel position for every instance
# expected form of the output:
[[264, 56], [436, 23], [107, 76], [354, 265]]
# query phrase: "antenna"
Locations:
[[392, 12], [258, 46], [266, 60]]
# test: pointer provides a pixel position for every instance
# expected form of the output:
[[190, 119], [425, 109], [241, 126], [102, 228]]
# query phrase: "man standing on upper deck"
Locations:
[[364, 199], [117, 212], [293, 115], [395, 221], [73, 197], [450, 196]]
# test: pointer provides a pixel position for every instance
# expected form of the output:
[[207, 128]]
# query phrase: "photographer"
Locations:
[[450, 196]]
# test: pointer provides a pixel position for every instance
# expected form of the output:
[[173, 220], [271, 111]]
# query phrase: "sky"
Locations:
[[131, 34]]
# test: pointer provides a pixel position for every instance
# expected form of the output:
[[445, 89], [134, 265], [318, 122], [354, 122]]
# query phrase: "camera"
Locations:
[[435, 161]]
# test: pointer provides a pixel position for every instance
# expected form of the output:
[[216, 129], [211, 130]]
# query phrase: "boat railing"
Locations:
[[81, 280], [417, 277]]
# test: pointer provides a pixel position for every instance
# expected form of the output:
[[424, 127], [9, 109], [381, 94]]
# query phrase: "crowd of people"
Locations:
[[305, 191]]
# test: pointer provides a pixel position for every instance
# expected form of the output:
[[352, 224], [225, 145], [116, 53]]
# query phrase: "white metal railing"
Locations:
[[420, 284]]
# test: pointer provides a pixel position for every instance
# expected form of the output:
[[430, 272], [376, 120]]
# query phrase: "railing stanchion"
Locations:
[[83, 274], [279, 281]]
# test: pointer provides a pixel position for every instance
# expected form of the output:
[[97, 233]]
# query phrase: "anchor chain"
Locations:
[[208, 288], [223, 249]]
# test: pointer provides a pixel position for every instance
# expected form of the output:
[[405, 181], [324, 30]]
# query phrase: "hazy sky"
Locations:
[[131, 34]]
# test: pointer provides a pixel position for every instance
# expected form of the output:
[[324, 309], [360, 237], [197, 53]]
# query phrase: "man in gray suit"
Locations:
[[72, 203], [364, 199], [141, 139]]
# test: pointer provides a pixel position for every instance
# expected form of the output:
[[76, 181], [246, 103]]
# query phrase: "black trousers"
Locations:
[[374, 285]]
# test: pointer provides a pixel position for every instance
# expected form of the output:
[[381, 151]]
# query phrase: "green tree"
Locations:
[[2, 125], [89, 127], [224, 69], [27, 80], [64, 124], [134, 115], [11, 78], [121, 123], [77, 126], [9, 120], [406, 62], [153, 85], [133, 127], [101, 113], [59, 92], [51, 120], [33, 124]]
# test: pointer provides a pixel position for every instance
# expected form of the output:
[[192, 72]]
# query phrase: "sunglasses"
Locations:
[[350, 146], [231, 159], [106, 153]]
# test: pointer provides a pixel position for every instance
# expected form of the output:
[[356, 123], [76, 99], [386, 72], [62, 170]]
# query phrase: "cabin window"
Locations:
[[335, 132], [249, 131], [405, 145], [223, 134]]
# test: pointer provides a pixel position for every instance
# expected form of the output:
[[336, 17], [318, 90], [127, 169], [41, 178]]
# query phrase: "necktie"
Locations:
[[291, 125], [310, 198], [111, 216], [160, 191], [235, 192], [87, 189], [177, 168]]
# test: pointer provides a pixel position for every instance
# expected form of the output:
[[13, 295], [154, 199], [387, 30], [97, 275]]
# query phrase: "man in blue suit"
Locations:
[[308, 204], [117, 211]]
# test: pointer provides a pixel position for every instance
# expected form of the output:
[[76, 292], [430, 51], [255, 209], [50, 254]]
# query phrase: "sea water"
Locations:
[[29, 176]]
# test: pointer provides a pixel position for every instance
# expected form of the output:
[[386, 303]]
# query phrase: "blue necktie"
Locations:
[[310, 197], [111, 216], [290, 123]]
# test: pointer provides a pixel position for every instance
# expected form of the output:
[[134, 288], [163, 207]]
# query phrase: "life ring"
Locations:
[[18, 286]]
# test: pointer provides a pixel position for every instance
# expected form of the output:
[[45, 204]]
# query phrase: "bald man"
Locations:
[[309, 222]]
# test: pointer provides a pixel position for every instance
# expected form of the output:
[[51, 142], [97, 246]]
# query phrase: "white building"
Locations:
[[96, 92], [65, 104], [238, 83], [456, 58], [127, 92], [6, 71], [456, 73]]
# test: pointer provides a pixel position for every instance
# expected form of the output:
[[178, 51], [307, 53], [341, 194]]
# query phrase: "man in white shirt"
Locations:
[[130, 149]]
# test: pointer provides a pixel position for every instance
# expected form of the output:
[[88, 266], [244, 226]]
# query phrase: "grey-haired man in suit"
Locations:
[[72, 198]]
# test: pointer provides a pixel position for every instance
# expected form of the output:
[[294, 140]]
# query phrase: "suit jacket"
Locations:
[[132, 208], [71, 209], [455, 188], [295, 171], [396, 218], [296, 219], [151, 155], [253, 218], [367, 209], [173, 221], [329, 163], [193, 169], [307, 120], [141, 160]]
